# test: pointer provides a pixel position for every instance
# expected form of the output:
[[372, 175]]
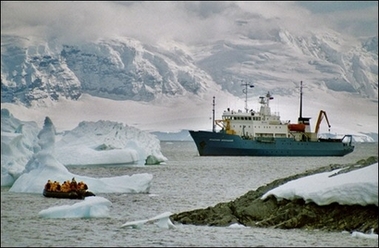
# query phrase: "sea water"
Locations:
[[185, 182]]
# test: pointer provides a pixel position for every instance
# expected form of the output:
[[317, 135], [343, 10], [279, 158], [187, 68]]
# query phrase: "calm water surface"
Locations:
[[186, 182]]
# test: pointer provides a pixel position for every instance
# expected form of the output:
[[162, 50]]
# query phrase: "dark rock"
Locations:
[[250, 210]]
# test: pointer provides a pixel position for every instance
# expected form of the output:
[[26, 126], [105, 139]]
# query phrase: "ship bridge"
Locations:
[[251, 124]]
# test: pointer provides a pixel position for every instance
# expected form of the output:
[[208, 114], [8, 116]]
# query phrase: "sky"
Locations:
[[189, 22], [358, 186]]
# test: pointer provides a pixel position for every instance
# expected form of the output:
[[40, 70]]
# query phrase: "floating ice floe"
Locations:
[[161, 220]]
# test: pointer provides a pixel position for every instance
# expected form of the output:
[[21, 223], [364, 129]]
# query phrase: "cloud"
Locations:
[[92, 20], [193, 21], [356, 18], [362, 22]]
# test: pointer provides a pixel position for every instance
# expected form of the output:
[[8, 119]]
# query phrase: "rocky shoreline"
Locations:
[[250, 210]]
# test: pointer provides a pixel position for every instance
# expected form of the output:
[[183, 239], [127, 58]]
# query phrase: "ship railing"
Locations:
[[346, 140]]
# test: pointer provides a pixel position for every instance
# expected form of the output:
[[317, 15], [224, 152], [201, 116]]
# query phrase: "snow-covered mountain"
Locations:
[[126, 69], [115, 69], [35, 71]]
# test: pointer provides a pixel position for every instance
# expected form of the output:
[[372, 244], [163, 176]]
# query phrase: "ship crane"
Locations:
[[320, 118]]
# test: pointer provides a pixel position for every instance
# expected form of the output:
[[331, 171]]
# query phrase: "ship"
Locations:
[[261, 133]]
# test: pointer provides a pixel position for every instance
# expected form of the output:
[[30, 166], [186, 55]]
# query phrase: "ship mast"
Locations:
[[213, 116], [245, 91], [301, 100], [301, 119]]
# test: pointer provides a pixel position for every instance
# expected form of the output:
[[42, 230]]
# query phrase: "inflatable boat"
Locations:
[[79, 194]]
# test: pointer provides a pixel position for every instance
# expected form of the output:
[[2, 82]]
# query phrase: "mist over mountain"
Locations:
[[35, 70]]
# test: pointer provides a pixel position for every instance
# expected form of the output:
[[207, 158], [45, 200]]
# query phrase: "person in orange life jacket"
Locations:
[[66, 187], [54, 186], [82, 185]]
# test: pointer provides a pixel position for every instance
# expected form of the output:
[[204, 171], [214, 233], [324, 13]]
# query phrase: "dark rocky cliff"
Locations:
[[250, 210]]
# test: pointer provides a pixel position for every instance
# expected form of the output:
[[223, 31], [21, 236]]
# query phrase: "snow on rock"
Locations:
[[329, 187]]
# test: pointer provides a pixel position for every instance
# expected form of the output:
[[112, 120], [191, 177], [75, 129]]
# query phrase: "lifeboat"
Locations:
[[78, 194], [296, 127]]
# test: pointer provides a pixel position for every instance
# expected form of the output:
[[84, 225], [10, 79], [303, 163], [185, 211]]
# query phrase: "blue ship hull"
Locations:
[[222, 144]]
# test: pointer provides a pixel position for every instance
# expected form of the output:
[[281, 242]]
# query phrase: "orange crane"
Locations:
[[320, 117]]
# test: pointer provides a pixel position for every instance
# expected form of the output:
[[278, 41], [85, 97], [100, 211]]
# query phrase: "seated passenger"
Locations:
[[48, 185], [83, 186], [58, 188], [66, 186], [73, 184], [54, 186]]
